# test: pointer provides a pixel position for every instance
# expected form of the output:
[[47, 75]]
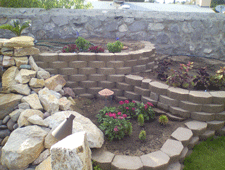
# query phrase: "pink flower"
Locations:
[[114, 115], [150, 104], [121, 102], [146, 106], [116, 129], [121, 117], [127, 108], [126, 101], [119, 113], [124, 115], [107, 114], [133, 101], [110, 114], [133, 108]]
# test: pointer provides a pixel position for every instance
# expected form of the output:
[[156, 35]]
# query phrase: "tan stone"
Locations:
[[45, 165], [37, 120], [34, 82], [7, 51], [33, 101], [44, 155], [8, 78], [2, 41], [25, 75], [55, 83], [64, 104], [18, 51], [20, 88], [21, 61], [33, 64], [8, 61], [21, 41], [50, 140]]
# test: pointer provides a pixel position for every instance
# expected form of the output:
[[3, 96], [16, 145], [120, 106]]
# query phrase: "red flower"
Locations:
[[107, 114], [133, 108], [121, 102], [150, 104], [133, 101], [146, 106], [124, 115], [126, 101], [127, 108], [121, 117], [119, 113]]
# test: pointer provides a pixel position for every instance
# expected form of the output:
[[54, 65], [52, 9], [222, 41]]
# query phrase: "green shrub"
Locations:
[[146, 110], [163, 119], [218, 80], [82, 44], [16, 28], [115, 47], [141, 120], [142, 135]]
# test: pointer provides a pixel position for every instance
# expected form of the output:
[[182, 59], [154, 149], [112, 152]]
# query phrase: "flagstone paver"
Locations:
[[183, 135], [103, 158], [155, 160], [197, 127], [172, 148], [175, 166]]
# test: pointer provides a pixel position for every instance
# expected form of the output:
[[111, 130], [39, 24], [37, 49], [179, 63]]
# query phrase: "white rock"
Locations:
[[23, 147], [16, 114], [49, 101], [34, 82], [20, 88], [95, 136], [8, 61], [64, 104], [42, 74], [74, 151], [56, 94], [25, 75], [23, 119], [37, 120], [33, 64], [33, 101]]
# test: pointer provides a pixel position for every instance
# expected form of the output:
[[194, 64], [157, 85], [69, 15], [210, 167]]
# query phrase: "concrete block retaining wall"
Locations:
[[197, 34]]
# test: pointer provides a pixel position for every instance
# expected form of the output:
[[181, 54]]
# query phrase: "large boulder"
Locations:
[[49, 101], [25, 75], [7, 103], [23, 147], [23, 119], [55, 83], [75, 155], [95, 136], [33, 101], [21, 41], [8, 78]]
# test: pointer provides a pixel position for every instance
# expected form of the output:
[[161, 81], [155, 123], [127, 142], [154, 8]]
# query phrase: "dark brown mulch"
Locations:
[[130, 145]]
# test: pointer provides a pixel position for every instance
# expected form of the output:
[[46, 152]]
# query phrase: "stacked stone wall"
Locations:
[[197, 34]]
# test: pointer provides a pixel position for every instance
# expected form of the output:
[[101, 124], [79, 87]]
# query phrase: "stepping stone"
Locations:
[[155, 160], [207, 134], [200, 97], [190, 106], [103, 158], [174, 166], [202, 116], [183, 135], [220, 116], [215, 125], [183, 154], [159, 88], [179, 112], [196, 127], [213, 108], [194, 141], [178, 93], [172, 148], [122, 162], [218, 97]]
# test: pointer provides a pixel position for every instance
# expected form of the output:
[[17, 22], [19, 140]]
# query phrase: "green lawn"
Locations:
[[208, 155]]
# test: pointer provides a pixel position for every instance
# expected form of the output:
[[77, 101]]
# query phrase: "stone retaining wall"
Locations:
[[197, 34]]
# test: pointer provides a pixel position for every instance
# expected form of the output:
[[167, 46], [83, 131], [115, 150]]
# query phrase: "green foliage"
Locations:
[[141, 120], [127, 107], [208, 155], [16, 28], [181, 77], [218, 80], [102, 113], [142, 135], [82, 44], [146, 110], [46, 4], [163, 119], [95, 166], [115, 47]]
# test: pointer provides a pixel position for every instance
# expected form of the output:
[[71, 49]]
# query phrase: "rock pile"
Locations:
[[32, 104]]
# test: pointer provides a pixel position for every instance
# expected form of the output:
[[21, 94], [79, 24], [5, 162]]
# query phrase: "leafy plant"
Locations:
[[116, 126], [115, 47], [82, 44], [163, 119], [163, 69], [218, 80], [70, 48], [141, 120], [127, 107], [202, 80], [146, 110], [16, 28], [95, 166], [102, 113], [181, 77], [142, 135], [96, 49]]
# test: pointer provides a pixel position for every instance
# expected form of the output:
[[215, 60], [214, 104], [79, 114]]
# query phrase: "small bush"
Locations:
[[70, 48], [141, 120], [218, 80], [142, 135], [82, 44], [115, 47], [146, 110], [163, 119], [96, 49]]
